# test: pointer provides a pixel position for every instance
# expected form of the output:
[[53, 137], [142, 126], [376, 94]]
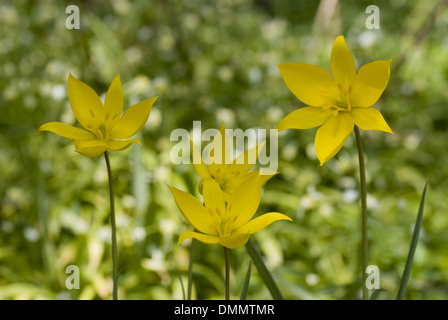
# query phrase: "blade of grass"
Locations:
[[263, 271], [181, 285], [414, 242], [246, 282], [376, 293]]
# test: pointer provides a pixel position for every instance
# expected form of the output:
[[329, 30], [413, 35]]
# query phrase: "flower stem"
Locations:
[[226, 254], [114, 228], [364, 241], [190, 270]]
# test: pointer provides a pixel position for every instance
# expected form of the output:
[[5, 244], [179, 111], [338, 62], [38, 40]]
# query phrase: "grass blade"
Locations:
[[376, 293], [414, 241], [263, 271], [246, 282], [181, 285]]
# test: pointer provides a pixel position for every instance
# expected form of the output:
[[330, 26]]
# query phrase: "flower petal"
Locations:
[[370, 119], [116, 145], [205, 238], [113, 103], [234, 241], [312, 85], [221, 159], [370, 83], [262, 222], [67, 131], [198, 162], [213, 198], [85, 103], [194, 212], [132, 120], [244, 201], [342, 64], [331, 136], [90, 148], [305, 118]]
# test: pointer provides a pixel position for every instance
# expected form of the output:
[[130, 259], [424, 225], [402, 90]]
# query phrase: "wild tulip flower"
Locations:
[[336, 103], [228, 173], [227, 224], [105, 126]]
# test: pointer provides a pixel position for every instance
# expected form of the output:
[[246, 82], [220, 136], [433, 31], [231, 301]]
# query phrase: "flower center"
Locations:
[[343, 104]]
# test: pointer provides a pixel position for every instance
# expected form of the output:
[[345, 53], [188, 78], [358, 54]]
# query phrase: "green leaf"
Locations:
[[263, 271], [414, 241], [376, 293], [246, 282]]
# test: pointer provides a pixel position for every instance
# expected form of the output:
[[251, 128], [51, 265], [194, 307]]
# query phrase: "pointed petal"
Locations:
[[331, 136], [244, 201], [116, 145], [312, 85], [213, 198], [67, 131], [90, 148], [194, 212], [85, 103], [132, 120], [221, 154], [198, 162], [370, 119], [113, 104], [205, 238], [262, 222], [234, 241], [232, 184], [370, 83], [342, 64], [305, 118]]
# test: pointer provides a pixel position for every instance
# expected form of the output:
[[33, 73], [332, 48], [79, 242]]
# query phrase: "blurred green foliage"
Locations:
[[215, 61]]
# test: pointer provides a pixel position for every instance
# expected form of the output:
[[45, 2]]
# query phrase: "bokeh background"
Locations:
[[215, 61]]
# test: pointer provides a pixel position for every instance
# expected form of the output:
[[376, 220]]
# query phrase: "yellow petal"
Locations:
[[262, 222], [116, 145], [221, 160], [342, 64], [205, 238], [198, 162], [213, 198], [113, 104], [194, 212], [90, 148], [244, 201], [234, 241], [331, 136], [312, 85], [232, 184], [305, 118], [132, 120], [67, 131], [370, 119], [85, 103], [370, 83]]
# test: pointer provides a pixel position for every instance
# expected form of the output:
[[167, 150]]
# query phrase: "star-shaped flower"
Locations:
[[336, 103], [105, 126]]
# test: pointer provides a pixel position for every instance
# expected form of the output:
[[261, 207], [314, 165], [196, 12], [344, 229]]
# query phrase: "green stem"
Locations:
[[190, 270], [114, 228], [226, 254], [364, 241]]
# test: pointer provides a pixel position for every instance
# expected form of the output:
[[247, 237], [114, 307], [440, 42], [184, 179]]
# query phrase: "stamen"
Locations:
[[91, 113], [210, 212]]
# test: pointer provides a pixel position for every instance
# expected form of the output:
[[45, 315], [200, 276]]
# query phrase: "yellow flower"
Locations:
[[335, 103], [106, 127], [228, 173], [228, 224]]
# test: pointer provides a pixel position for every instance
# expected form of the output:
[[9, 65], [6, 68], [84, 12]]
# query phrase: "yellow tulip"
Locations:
[[228, 224], [228, 173], [336, 103], [105, 126]]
